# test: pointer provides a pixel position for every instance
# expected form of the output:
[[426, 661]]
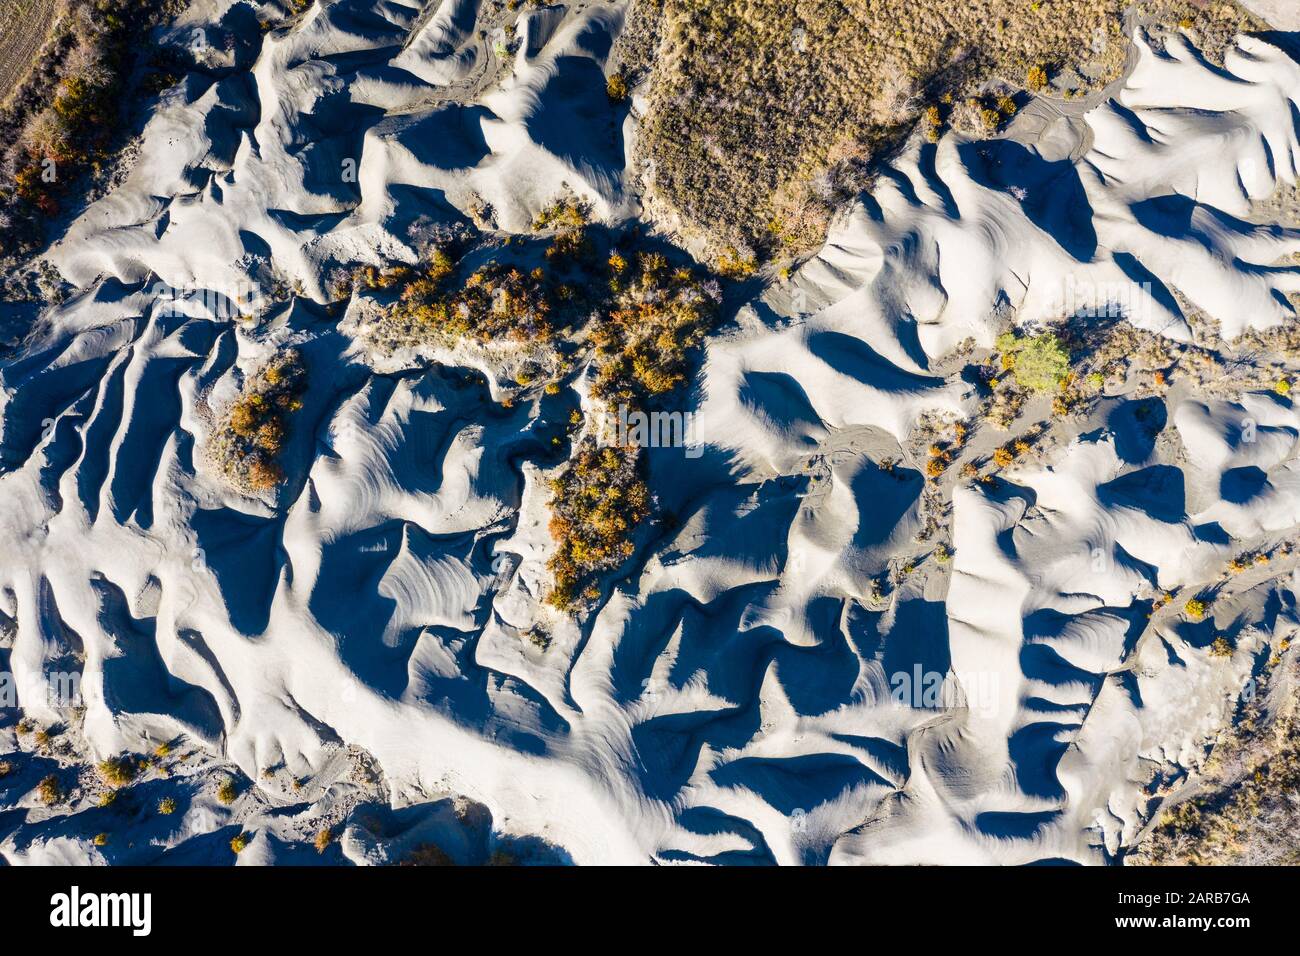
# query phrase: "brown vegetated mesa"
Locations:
[[764, 115]]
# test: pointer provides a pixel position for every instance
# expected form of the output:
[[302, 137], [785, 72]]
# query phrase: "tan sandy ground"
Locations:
[[1283, 14]]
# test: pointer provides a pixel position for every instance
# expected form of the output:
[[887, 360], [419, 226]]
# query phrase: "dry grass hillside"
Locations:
[[1247, 809], [764, 115], [24, 27]]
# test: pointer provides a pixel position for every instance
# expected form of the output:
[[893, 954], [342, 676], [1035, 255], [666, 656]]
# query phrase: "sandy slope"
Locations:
[[1277, 13], [356, 641]]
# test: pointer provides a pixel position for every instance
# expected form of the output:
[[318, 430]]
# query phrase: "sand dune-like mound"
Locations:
[[330, 142], [1147, 222], [841, 648]]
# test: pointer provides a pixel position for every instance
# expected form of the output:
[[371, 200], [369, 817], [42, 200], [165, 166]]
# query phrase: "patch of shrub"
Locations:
[[597, 501], [426, 854], [642, 314], [563, 214], [735, 263], [118, 771], [250, 435], [538, 637], [1040, 362], [616, 88], [50, 791], [660, 314], [495, 302], [502, 301]]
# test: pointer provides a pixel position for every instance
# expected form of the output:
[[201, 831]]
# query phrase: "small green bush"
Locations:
[[1040, 362]]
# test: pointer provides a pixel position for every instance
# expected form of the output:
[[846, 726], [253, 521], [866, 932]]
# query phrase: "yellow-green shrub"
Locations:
[[1040, 362], [49, 790], [118, 771]]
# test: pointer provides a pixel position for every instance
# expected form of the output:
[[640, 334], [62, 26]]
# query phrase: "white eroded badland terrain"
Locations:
[[979, 532]]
